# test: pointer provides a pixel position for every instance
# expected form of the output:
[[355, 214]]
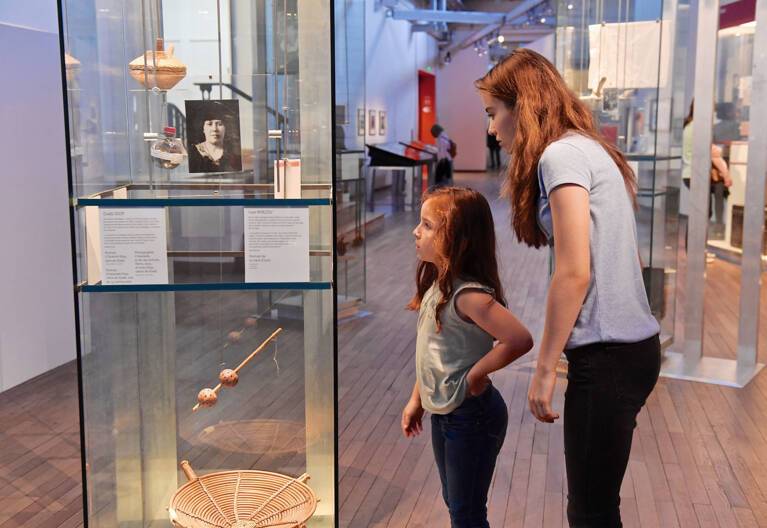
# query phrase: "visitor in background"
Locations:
[[444, 171], [719, 172], [495, 151]]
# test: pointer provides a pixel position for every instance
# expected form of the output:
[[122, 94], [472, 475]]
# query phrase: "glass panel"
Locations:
[[145, 358], [247, 88], [351, 112]]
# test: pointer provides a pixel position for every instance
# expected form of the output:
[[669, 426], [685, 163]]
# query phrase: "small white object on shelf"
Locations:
[[287, 178]]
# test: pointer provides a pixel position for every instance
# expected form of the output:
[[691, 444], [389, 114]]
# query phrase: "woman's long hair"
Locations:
[[465, 243], [688, 118], [547, 109]]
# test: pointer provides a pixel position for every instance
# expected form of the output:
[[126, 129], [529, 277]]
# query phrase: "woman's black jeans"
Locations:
[[607, 385], [466, 444]]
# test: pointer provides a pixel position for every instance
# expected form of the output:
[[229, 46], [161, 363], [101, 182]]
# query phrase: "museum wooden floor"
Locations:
[[699, 456]]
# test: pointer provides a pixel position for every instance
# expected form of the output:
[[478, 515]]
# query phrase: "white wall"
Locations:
[[460, 110], [393, 57], [36, 304], [546, 46], [30, 14]]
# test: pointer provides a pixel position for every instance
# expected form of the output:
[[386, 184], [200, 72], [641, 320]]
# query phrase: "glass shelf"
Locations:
[[650, 157], [202, 195], [202, 202], [210, 286]]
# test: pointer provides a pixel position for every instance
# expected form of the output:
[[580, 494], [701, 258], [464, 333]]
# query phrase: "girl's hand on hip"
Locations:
[[412, 417], [476, 385], [540, 395]]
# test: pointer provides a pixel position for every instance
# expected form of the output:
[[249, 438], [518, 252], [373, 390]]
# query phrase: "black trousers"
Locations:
[[443, 174], [495, 157], [607, 385]]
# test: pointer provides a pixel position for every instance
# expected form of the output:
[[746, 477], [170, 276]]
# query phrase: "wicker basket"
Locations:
[[242, 499], [158, 69]]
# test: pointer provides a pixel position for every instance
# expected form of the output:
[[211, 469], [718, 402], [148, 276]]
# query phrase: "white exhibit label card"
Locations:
[[276, 244], [133, 246]]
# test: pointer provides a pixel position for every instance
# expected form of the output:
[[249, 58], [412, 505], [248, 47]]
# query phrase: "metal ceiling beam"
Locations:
[[521, 9], [525, 34], [451, 17]]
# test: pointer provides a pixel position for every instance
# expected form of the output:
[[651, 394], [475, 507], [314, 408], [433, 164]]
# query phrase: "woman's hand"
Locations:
[[412, 417], [476, 383], [540, 395]]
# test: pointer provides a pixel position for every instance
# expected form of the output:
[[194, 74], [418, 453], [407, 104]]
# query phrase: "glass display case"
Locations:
[[618, 58], [203, 214]]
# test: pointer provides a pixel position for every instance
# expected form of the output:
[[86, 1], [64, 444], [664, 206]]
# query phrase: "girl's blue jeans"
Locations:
[[466, 444]]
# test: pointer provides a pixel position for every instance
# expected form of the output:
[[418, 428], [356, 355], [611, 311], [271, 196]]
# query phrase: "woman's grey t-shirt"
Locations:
[[616, 308]]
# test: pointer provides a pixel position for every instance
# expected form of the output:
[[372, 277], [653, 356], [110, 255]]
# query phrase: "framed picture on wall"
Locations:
[[372, 129], [382, 123], [360, 121]]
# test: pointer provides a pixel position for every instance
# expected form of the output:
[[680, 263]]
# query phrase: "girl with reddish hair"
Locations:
[[571, 189], [465, 332]]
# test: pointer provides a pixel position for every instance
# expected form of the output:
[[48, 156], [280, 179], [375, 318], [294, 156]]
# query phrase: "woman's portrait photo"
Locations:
[[213, 129]]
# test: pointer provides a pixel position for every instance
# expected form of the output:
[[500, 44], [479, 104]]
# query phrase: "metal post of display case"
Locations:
[[315, 49], [705, 62], [691, 364], [753, 225]]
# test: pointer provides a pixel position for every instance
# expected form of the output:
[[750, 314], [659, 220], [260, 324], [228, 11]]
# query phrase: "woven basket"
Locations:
[[242, 499], [158, 69]]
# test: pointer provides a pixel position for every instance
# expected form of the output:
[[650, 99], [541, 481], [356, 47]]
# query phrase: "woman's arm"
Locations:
[[718, 161], [569, 284], [514, 340]]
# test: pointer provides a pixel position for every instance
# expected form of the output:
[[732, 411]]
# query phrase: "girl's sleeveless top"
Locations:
[[444, 359]]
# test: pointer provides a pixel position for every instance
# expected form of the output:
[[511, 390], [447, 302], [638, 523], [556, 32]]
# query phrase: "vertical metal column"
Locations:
[[705, 63], [753, 218], [316, 133]]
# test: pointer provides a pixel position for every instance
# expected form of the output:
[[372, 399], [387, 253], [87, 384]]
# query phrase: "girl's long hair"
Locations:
[[465, 243], [530, 85]]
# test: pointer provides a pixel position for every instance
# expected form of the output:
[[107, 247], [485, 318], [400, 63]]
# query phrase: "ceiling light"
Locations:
[[501, 38], [543, 20], [570, 6]]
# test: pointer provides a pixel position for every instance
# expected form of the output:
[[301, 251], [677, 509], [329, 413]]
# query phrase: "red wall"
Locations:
[[737, 13], [427, 105]]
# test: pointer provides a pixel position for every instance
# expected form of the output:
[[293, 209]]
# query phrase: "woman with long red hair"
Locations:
[[571, 189]]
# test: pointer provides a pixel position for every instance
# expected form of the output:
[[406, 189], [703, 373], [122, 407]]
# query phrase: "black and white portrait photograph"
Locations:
[[213, 135]]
